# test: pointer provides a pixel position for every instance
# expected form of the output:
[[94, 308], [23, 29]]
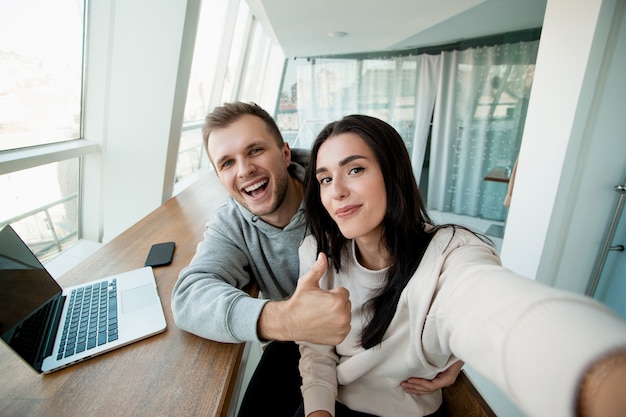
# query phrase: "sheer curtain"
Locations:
[[399, 90], [477, 126], [326, 90], [428, 73]]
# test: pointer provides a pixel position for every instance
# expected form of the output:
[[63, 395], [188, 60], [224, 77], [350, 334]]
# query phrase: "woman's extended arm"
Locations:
[[534, 342]]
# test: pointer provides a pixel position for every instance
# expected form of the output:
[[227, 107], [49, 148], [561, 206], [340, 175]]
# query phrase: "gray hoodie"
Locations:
[[239, 248]]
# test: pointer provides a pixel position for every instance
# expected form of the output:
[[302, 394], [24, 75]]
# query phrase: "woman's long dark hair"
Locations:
[[405, 235]]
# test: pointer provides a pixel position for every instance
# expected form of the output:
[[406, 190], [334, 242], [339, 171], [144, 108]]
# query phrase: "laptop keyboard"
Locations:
[[91, 318]]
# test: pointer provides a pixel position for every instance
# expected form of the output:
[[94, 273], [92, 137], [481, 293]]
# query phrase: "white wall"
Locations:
[[136, 78]]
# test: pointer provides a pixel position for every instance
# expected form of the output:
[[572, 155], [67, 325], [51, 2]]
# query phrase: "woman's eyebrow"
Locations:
[[320, 170], [343, 162], [349, 159]]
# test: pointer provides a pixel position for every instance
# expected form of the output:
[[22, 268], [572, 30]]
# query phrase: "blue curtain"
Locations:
[[477, 126]]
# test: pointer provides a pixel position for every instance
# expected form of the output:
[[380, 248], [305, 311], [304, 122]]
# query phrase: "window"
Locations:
[[41, 56], [234, 59], [209, 38], [205, 58], [265, 61], [237, 54], [40, 71], [47, 220]]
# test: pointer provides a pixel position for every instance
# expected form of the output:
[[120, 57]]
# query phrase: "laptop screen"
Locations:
[[28, 296]]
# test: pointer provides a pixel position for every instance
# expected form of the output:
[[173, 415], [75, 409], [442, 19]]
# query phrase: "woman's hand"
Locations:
[[420, 386], [603, 390], [319, 413]]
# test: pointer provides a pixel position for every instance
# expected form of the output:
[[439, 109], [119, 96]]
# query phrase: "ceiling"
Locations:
[[302, 27]]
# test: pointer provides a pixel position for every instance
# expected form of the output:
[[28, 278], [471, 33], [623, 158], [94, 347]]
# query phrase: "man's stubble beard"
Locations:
[[280, 192]]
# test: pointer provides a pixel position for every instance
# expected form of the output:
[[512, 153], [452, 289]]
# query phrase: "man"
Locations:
[[254, 237]]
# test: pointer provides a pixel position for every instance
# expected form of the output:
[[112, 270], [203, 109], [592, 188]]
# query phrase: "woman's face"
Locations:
[[352, 187]]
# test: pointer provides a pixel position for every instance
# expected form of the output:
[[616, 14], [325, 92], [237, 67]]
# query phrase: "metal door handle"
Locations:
[[606, 247]]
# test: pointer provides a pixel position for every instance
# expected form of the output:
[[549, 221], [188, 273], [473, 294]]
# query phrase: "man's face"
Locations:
[[251, 165]]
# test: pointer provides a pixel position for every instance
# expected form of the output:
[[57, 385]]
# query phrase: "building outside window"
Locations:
[[40, 105]]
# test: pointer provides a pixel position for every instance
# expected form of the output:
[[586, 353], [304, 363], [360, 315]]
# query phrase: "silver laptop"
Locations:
[[51, 328]]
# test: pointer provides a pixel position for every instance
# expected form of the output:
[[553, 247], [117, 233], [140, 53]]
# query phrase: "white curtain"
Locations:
[[428, 71], [326, 91], [477, 126], [399, 90]]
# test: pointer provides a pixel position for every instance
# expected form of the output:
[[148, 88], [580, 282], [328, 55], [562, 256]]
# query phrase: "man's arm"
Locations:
[[311, 314], [207, 299], [205, 306]]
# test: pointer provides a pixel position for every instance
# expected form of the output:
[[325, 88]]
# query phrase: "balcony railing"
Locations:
[[45, 232]]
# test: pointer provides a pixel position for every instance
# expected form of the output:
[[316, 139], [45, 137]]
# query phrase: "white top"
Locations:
[[533, 341]]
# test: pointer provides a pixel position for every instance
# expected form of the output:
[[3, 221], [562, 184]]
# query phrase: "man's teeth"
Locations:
[[255, 186]]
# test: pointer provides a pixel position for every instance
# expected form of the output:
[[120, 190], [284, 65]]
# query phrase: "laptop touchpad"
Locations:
[[140, 297]]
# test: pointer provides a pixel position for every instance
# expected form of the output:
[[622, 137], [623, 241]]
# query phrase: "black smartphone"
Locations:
[[160, 254]]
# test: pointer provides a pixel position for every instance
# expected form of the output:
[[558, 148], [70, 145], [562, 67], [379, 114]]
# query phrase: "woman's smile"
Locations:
[[347, 211]]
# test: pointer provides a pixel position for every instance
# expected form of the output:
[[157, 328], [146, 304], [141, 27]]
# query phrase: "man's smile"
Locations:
[[257, 187]]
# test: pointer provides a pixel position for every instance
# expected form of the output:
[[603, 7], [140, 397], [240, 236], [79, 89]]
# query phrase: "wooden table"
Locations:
[[171, 374]]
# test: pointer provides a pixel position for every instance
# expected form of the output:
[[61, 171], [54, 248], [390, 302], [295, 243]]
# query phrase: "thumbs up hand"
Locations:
[[311, 280], [320, 316], [312, 314]]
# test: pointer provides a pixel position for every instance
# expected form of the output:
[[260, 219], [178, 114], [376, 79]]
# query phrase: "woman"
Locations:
[[424, 297]]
